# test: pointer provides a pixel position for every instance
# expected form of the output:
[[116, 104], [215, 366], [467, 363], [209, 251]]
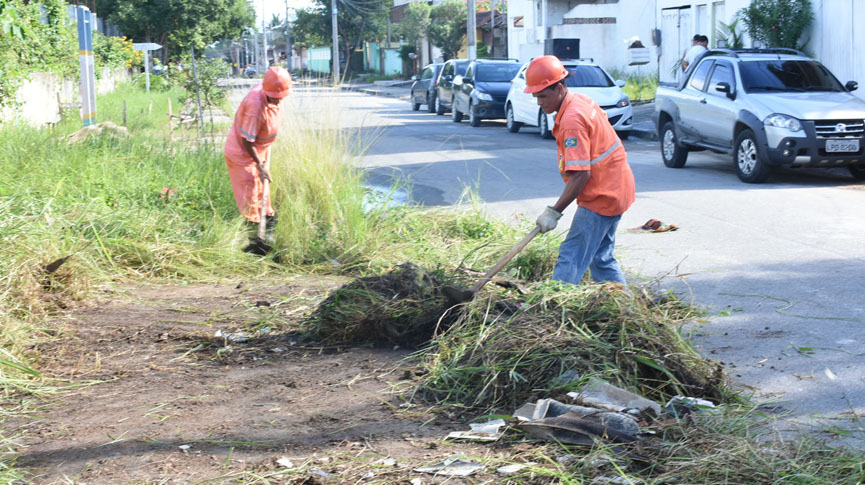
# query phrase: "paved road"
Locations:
[[780, 266]]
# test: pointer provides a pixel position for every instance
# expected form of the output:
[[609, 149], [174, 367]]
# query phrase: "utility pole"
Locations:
[[493, 28], [287, 39], [471, 31], [264, 46], [335, 33]]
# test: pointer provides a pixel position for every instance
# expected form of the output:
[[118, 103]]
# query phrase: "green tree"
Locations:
[[416, 21], [447, 27], [176, 25], [310, 27], [778, 23]]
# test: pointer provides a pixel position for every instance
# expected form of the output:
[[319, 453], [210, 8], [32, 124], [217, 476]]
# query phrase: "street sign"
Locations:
[[146, 46]]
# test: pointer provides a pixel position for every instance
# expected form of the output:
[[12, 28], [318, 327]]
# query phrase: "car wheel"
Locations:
[[456, 116], [513, 126], [749, 166], [474, 119], [857, 171], [430, 103], [440, 110], [674, 155], [543, 127], [623, 135], [415, 106]]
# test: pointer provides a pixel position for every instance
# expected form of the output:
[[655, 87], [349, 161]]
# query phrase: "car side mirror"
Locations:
[[725, 88], [449, 77], [414, 78], [620, 83], [851, 85]]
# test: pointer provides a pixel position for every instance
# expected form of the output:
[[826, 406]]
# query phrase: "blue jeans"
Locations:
[[589, 245]]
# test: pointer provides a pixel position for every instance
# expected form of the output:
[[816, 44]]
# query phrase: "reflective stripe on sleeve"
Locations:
[[247, 135], [596, 160]]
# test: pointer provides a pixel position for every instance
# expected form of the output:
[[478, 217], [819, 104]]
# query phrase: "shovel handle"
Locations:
[[262, 221], [502, 262]]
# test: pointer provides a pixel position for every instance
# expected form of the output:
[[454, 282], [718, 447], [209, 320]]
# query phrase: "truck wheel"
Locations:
[[543, 126], [749, 167], [456, 116], [513, 126], [857, 171], [415, 106], [440, 110], [674, 155], [430, 103]]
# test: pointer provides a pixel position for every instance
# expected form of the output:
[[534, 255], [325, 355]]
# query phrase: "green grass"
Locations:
[[638, 87]]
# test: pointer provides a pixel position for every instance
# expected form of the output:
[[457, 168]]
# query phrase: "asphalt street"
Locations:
[[779, 267]]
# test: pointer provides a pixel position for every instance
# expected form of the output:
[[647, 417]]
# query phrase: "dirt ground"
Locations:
[[154, 395]]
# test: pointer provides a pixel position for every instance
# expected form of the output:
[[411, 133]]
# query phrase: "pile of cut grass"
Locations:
[[496, 360], [404, 307]]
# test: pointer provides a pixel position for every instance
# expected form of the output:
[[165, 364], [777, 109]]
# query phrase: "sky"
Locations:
[[271, 7]]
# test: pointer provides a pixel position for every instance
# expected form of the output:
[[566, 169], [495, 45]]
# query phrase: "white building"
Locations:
[[603, 26]]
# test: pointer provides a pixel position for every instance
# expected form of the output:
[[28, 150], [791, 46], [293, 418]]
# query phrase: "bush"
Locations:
[[778, 23], [116, 52]]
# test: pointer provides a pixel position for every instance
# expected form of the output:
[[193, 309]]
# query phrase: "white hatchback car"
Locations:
[[585, 77]]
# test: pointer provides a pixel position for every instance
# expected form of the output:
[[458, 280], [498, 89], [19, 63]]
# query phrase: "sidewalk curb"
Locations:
[[375, 92]]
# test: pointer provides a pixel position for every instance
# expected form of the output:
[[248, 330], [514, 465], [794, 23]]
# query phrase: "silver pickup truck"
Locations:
[[766, 107]]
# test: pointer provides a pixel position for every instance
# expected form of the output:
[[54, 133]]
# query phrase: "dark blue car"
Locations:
[[482, 91]]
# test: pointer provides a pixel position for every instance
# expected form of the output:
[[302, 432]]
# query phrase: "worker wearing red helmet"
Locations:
[[247, 151], [594, 166]]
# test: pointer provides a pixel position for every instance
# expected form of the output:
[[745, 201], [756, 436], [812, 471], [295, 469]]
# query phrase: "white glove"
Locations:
[[548, 219]]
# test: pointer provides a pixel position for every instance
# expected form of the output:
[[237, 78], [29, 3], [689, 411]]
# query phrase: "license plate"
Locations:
[[842, 146]]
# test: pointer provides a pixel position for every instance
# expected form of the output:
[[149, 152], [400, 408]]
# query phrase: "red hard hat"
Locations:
[[277, 82], [543, 72]]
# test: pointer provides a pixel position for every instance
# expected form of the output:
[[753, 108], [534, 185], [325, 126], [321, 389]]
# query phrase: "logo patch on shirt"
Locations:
[[570, 142]]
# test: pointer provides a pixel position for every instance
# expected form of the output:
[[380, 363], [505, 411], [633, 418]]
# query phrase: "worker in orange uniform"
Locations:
[[247, 153], [594, 165]]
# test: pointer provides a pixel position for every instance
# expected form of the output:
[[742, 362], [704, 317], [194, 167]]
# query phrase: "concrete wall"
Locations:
[[372, 59], [38, 98], [604, 42]]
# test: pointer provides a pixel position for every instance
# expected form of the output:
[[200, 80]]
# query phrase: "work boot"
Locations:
[[256, 244]]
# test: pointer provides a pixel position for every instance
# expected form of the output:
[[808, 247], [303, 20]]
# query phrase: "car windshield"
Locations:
[[787, 75], [461, 67], [587, 77], [496, 73]]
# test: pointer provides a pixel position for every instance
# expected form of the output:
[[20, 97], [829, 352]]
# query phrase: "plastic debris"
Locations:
[[238, 337], [453, 466], [680, 406], [600, 394], [185, 448], [416, 481], [512, 469], [386, 462], [489, 431], [551, 420], [284, 462]]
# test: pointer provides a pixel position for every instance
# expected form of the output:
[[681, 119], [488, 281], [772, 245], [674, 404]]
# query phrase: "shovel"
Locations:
[[262, 222], [459, 295]]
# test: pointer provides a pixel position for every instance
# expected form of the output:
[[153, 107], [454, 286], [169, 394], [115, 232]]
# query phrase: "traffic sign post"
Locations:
[[147, 47]]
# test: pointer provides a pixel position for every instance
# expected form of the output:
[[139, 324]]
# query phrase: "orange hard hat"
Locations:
[[277, 82], [543, 72]]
